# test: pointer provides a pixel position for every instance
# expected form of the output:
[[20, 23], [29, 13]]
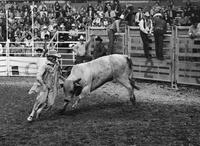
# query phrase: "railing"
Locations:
[[52, 44], [21, 49], [63, 46]]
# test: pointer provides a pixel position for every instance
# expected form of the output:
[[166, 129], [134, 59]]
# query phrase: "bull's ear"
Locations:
[[77, 87]]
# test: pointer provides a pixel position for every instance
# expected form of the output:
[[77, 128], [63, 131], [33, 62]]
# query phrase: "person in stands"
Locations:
[[146, 27], [159, 29]]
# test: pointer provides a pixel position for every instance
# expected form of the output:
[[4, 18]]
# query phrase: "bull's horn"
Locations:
[[77, 81]]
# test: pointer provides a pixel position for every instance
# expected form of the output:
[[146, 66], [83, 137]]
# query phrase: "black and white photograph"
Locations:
[[100, 73]]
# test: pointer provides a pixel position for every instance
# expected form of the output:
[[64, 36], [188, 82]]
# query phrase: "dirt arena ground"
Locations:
[[161, 117]]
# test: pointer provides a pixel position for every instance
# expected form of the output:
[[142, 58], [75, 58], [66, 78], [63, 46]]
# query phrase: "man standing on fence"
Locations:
[[160, 27], [146, 27], [112, 29]]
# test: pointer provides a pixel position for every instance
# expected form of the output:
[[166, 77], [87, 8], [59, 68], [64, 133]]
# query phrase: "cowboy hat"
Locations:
[[39, 50], [157, 14], [53, 53], [92, 34], [81, 38], [98, 39], [147, 14], [62, 25], [122, 16], [73, 25], [44, 27]]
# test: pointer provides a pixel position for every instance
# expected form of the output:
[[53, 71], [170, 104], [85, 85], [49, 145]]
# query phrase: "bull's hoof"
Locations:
[[74, 106], [132, 99]]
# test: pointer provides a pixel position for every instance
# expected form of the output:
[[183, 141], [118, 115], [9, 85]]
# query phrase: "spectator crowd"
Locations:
[[38, 21]]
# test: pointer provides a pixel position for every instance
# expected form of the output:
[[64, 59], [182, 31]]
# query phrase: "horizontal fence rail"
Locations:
[[20, 66]]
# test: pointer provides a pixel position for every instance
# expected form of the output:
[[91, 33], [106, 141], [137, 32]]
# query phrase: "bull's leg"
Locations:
[[85, 92], [126, 83], [66, 102], [77, 101], [133, 99]]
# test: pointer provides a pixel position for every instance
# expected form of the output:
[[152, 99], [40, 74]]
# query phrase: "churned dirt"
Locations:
[[161, 117]]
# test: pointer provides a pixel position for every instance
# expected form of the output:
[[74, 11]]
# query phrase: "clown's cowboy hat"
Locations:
[[53, 53]]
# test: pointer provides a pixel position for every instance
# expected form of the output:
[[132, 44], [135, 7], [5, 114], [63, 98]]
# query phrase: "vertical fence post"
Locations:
[[174, 57], [57, 39], [73, 57], [7, 56], [128, 41], [32, 19], [87, 34]]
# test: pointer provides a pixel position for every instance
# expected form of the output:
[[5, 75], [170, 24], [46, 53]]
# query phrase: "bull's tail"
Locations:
[[130, 63]]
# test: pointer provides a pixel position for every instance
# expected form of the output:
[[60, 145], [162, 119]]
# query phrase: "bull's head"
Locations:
[[72, 88]]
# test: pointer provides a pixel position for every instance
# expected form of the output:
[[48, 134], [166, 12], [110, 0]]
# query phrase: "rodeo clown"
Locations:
[[47, 84]]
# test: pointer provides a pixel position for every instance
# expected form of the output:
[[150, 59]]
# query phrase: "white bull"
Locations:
[[86, 77]]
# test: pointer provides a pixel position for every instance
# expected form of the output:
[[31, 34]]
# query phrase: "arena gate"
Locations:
[[181, 64], [151, 69]]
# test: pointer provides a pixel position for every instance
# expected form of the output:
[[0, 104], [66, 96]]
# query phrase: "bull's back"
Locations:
[[101, 71], [109, 67], [120, 65]]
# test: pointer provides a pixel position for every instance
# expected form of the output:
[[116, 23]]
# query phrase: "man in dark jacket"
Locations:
[[99, 49], [159, 29]]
